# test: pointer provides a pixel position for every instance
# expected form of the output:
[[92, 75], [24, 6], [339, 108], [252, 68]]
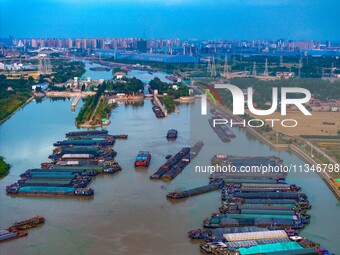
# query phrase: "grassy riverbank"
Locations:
[[13, 94], [4, 167]]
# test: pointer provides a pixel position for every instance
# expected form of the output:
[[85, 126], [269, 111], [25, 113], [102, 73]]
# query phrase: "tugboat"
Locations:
[[172, 134], [143, 158]]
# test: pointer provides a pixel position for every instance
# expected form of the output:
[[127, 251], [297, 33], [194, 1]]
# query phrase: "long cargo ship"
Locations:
[[260, 187], [27, 224], [194, 150], [272, 195], [43, 190], [231, 221], [98, 168], [196, 191], [175, 163], [98, 136], [143, 159], [84, 153], [86, 133], [59, 174], [224, 159], [73, 143], [220, 132], [6, 235]]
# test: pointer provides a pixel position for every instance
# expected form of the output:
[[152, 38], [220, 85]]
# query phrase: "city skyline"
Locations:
[[239, 20]]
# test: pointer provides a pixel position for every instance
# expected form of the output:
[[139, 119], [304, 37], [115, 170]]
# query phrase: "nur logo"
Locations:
[[239, 99]]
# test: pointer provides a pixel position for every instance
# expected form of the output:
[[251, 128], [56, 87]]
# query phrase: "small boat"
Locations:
[[168, 156], [143, 158], [172, 134]]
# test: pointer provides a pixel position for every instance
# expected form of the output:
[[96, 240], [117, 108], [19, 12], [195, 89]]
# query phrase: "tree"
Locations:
[[30, 81], [41, 79], [83, 87]]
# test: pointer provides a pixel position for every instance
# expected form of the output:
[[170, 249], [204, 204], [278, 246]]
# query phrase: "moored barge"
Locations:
[[143, 159]]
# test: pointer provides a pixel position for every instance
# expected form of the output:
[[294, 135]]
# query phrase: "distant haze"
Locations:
[[214, 19]]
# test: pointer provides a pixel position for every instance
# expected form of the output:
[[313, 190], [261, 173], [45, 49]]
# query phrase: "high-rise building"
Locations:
[[94, 43], [141, 46], [78, 43], [34, 43], [70, 43]]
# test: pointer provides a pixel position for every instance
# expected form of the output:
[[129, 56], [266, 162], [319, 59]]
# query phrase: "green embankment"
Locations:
[[13, 94], [4, 167], [169, 103], [89, 106]]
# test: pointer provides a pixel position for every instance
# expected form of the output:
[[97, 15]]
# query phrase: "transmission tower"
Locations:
[[265, 73], [281, 61], [226, 67], [47, 65], [300, 66], [213, 68], [254, 69], [209, 66], [41, 66], [323, 72], [332, 70], [234, 58]]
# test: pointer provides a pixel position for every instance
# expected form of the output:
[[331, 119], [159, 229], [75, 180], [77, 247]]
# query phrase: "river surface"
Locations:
[[144, 76], [130, 214]]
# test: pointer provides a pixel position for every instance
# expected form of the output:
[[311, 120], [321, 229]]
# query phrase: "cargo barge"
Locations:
[[98, 168], [220, 132], [85, 162], [176, 163], [281, 221], [98, 136], [271, 195], [84, 153], [196, 191], [172, 134], [54, 191], [143, 159], [86, 133], [158, 112], [194, 150], [6, 235], [224, 159], [27, 224], [100, 68], [60, 173], [94, 142], [259, 187]]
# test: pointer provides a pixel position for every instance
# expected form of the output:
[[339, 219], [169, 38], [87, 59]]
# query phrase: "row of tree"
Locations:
[[89, 105]]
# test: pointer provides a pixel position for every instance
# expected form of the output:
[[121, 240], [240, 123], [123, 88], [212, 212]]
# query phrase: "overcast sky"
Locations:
[[214, 19]]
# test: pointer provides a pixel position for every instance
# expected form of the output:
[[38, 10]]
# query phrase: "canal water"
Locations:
[[130, 214], [144, 76]]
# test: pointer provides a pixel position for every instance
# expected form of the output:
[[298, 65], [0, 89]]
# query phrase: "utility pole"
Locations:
[[213, 68], [265, 73], [226, 67], [254, 69]]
